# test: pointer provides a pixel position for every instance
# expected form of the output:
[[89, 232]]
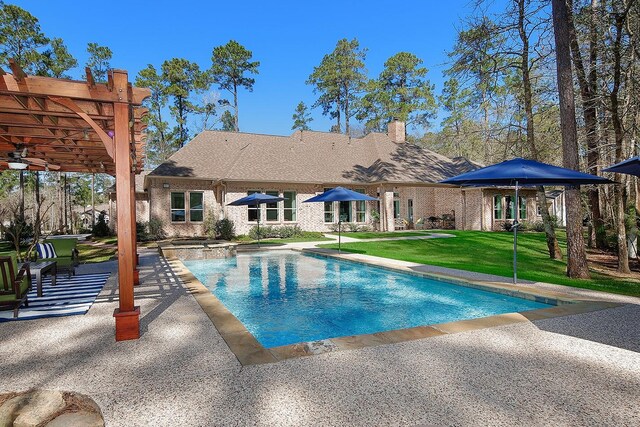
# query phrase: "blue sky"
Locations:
[[289, 38]]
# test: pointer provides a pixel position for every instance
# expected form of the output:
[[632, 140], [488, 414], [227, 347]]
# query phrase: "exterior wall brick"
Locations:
[[160, 204]]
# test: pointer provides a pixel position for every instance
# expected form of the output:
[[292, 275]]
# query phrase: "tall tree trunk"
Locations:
[[61, 208], [577, 266], [93, 201], [588, 93], [236, 125], [38, 222], [65, 192], [21, 212], [346, 111], [552, 241], [616, 122]]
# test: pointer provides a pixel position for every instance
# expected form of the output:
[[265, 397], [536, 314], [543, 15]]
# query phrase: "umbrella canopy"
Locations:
[[340, 194], [256, 199], [520, 173], [630, 167], [523, 172]]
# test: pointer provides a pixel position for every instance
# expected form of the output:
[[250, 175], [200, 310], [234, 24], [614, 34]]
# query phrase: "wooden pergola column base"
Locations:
[[127, 324]]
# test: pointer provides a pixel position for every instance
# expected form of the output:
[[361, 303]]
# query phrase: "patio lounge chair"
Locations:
[[15, 283], [66, 255]]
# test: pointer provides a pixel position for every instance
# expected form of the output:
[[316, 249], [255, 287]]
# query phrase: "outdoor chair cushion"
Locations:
[[24, 287], [46, 250], [8, 295], [63, 247]]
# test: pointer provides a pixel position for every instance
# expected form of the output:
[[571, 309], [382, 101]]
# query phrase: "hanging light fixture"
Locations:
[[17, 165]]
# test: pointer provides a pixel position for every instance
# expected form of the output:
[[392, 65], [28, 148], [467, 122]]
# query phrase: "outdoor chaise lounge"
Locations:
[[66, 255], [15, 283]]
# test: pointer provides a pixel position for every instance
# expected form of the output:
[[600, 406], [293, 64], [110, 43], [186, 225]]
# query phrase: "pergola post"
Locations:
[[136, 273], [127, 315]]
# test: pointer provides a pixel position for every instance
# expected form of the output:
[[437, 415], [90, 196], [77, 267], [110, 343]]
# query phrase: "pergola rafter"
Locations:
[[82, 127]]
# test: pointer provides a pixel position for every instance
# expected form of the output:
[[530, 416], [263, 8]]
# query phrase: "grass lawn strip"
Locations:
[[491, 253]]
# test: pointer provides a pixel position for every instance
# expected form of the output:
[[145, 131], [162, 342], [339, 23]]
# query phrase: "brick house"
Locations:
[[217, 167]]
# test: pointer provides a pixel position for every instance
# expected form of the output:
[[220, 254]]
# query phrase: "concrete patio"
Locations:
[[576, 370]]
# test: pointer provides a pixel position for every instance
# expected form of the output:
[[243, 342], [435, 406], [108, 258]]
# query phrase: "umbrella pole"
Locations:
[[339, 236], [516, 205], [258, 220]]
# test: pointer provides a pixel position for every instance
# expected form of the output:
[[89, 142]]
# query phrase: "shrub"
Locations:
[[334, 227], [21, 227], [142, 235], [225, 229], [507, 225], [101, 229], [538, 226], [352, 227], [210, 224], [256, 232], [156, 229], [272, 232], [289, 231]]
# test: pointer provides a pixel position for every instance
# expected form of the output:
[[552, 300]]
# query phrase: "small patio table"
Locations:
[[41, 268]]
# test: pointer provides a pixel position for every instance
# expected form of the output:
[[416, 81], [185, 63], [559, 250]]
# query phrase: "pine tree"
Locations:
[[301, 117], [99, 61], [339, 79], [230, 64]]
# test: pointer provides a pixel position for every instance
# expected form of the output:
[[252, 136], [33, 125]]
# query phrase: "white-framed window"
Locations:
[[253, 212], [503, 207], [196, 206], [396, 204], [509, 207], [498, 212], [361, 208], [178, 211], [523, 207], [272, 208], [290, 206], [329, 210]]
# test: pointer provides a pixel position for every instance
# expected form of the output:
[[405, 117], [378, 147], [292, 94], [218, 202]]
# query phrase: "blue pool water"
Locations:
[[285, 297]]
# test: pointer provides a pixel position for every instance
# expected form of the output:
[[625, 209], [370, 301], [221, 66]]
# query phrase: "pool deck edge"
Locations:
[[249, 351]]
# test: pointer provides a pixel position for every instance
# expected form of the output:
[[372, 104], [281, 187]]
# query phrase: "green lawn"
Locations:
[[491, 252], [381, 234]]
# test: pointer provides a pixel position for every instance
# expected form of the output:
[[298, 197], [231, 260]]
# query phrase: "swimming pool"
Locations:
[[286, 297]]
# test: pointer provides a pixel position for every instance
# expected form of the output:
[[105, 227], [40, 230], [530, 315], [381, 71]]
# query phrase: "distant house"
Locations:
[[89, 215], [216, 168]]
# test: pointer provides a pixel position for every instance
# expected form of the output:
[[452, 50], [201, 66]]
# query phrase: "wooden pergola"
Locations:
[[76, 126]]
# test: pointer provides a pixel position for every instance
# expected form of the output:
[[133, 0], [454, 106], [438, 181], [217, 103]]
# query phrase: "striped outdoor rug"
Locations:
[[69, 296]]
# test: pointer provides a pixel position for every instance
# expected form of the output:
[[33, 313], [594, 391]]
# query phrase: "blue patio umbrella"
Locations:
[[523, 173], [256, 199], [340, 194], [630, 167]]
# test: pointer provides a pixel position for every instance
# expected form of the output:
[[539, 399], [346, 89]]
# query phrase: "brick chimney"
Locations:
[[396, 131]]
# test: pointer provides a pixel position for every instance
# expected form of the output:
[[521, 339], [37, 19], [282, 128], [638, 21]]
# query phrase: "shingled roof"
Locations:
[[309, 157]]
